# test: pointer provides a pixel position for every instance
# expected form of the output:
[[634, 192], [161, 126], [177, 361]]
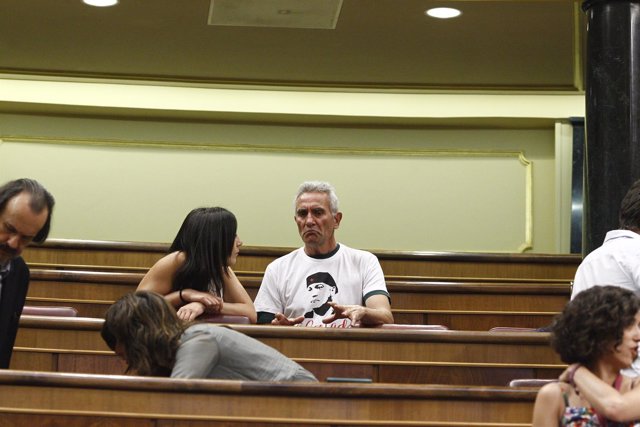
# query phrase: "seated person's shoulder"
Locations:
[[18, 263], [170, 261], [177, 257], [200, 329], [159, 278], [553, 391]]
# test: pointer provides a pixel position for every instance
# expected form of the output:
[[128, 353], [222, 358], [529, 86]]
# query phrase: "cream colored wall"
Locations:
[[401, 188], [415, 171]]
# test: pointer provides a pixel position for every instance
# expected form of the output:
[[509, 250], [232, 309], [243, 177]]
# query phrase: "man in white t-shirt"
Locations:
[[617, 261], [290, 293]]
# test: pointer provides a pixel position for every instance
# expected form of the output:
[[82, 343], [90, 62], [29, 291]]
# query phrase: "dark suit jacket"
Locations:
[[14, 292]]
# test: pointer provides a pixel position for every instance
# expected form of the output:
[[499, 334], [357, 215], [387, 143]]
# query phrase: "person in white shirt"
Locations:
[[287, 292], [617, 261]]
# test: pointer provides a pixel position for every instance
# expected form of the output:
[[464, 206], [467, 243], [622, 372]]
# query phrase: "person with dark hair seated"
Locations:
[[598, 334], [196, 276], [146, 332], [25, 217]]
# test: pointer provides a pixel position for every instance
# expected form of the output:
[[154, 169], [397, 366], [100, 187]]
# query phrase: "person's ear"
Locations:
[[337, 217]]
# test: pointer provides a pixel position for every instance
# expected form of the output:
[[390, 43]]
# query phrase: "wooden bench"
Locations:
[[458, 305], [402, 356], [135, 256], [542, 295], [39, 398]]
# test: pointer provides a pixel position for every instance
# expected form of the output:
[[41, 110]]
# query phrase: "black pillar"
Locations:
[[612, 154]]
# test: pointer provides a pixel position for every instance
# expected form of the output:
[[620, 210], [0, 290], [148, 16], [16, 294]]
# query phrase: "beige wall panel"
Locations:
[[402, 189]]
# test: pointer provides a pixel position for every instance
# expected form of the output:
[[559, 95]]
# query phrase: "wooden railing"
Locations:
[[457, 305], [132, 256], [36, 398], [450, 357]]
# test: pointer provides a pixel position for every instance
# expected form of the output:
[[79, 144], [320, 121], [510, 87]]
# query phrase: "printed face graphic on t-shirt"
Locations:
[[320, 287], [319, 293]]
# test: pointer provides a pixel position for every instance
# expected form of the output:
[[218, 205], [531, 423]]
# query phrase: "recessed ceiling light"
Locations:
[[443, 12], [100, 3]]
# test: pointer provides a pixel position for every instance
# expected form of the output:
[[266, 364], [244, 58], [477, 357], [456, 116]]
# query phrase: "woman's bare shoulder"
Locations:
[[554, 390], [171, 261]]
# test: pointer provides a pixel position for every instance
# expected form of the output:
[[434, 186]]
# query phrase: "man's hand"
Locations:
[[283, 320], [355, 313], [190, 311]]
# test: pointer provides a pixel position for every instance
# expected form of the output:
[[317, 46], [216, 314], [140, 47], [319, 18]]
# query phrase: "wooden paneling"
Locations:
[[487, 295], [473, 320], [491, 296], [140, 256], [402, 372], [97, 397], [10, 419], [458, 265], [464, 358], [456, 304], [353, 344]]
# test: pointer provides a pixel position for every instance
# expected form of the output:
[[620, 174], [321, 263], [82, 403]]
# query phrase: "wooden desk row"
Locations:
[[135, 256], [457, 305], [449, 357], [35, 398], [449, 294]]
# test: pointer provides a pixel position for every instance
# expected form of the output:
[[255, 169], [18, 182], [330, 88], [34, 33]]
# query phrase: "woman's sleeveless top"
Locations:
[[580, 416]]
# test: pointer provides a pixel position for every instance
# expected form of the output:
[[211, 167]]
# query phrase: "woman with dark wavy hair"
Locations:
[[597, 334], [146, 332], [196, 276]]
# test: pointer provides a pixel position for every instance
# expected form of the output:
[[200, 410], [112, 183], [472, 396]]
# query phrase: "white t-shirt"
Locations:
[[297, 284], [616, 262]]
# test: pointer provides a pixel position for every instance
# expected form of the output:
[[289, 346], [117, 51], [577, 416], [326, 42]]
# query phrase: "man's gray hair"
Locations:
[[319, 187]]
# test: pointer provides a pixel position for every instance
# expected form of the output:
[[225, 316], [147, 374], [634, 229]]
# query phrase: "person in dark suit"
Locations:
[[25, 217]]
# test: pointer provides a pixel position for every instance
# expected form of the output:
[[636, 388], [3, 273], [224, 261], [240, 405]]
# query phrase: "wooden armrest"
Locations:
[[410, 327], [33, 310], [512, 329], [224, 318], [530, 382]]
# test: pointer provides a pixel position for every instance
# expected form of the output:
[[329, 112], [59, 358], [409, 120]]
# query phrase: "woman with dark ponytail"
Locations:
[[196, 276]]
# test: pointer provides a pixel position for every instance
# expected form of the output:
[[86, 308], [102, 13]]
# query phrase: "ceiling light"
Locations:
[[100, 3], [443, 12]]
